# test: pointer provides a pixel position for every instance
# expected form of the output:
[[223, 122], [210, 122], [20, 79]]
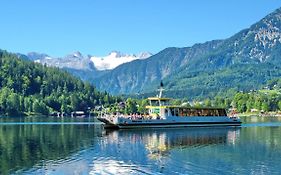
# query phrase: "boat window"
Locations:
[[154, 103], [192, 112], [208, 112], [219, 112], [185, 112], [166, 112], [197, 112], [216, 112], [222, 112], [175, 112]]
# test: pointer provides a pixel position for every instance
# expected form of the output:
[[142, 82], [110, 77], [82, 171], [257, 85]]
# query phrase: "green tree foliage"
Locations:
[[176, 102], [27, 87], [207, 103], [131, 106], [279, 105], [141, 104], [265, 106], [13, 104], [269, 100]]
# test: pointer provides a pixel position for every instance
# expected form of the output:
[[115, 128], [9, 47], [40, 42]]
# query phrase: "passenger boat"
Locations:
[[161, 115]]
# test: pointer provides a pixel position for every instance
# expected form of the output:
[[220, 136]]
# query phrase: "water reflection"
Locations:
[[141, 149], [88, 149], [23, 146], [160, 142]]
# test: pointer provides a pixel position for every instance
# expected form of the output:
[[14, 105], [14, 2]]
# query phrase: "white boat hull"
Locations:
[[123, 123]]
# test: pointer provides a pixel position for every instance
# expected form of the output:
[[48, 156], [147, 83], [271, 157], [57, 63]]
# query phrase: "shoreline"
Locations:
[[258, 114]]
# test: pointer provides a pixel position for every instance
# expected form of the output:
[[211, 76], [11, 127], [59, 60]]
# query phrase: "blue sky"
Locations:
[[96, 27]]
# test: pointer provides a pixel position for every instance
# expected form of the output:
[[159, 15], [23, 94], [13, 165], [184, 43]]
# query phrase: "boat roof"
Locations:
[[157, 98], [193, 107], [184, 107]]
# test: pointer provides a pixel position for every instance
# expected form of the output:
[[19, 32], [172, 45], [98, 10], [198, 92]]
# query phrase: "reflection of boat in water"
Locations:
[[149, 151], [161, 114], [159, 142]]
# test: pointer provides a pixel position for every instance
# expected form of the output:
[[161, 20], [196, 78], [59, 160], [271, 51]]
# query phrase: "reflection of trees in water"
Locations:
[[23, 146]]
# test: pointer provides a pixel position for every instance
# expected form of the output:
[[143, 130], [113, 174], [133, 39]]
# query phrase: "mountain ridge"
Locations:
[[259, 46], [77, 61]]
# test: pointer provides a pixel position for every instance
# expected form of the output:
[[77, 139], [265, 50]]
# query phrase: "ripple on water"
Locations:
[[268, 124], [108, 165]]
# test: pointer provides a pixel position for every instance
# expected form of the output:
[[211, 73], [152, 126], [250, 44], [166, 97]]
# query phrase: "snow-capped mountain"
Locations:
[[34, 55], [72, 61], [115, 59], [79, 62]]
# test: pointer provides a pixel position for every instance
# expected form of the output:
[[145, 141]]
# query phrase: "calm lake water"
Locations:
[[80, 146]]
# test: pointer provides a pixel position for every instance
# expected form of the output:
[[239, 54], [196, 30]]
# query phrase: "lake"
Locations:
[[40, 145]]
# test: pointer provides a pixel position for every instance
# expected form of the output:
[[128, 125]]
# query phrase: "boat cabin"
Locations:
[[160, 107], [156, 101], [192, 111]]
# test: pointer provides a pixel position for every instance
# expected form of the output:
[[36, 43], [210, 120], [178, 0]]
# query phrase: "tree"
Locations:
[[249, 105], [219, 102], [207, 103], [74, 102], [176, 102], [130, 106], [197, 104], [29, 87], [141, 106], [40, 107], [25, 84], [4, 93], [265, 106], [27, 104], [13, 104], [279, 105], [241, 106]]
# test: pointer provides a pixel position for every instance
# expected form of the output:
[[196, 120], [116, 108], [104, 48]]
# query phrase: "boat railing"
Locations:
[[133, 116], [130, 116], [234, 117]]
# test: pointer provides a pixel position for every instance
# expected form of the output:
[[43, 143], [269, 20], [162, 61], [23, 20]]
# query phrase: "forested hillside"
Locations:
[[243, 62], [139, 75], [27, 87]]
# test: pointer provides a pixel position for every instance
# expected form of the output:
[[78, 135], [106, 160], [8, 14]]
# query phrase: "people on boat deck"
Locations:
[[135, 116]]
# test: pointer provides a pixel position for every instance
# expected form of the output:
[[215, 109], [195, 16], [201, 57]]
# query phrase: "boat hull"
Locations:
[[176, 125], [131, 124]]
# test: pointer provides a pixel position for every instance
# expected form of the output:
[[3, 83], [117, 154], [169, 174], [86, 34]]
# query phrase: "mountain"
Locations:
[[244, 61], [91, 63], [87, 67], [28, 87], [115, 59], [136, 75], [37, 56], [72, 61]]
